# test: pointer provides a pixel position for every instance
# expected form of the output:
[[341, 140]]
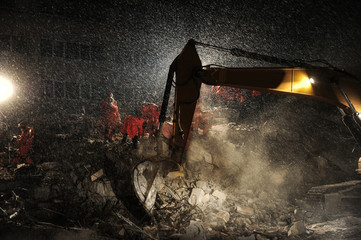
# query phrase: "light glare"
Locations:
[[6, 89]]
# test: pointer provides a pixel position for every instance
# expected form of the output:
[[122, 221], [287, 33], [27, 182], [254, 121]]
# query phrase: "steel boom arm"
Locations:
[[322, 84]]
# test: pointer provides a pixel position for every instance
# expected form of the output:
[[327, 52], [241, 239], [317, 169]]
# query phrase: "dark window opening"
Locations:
[[58, 49], [4, 43], [100, 92], [48, 89], [97, 53], [59, 89], [85, 91], [46, 48], [8, 4], [72, 90], [20, 45], [34, 89], [72, 50], [46, 6], [85, 52]]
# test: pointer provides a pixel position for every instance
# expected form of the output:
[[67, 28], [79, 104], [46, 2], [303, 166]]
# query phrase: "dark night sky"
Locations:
[[150, 34], [290, 29]]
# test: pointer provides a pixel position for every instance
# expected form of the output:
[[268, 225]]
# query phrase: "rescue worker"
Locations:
[[150, 114], [167, 128], [199, 121], [256, 93], [24, 143], [110, 117], [133, 127]]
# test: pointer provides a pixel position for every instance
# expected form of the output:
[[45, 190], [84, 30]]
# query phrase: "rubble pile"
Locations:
[[70, 191], [245, 180], [182, 204]]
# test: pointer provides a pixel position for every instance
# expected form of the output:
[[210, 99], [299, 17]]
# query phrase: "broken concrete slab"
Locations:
[[196, 196], [105, 189], [297, 228], [220, 195], [202, 185], [225, 216], [195, 231], [244, 210]]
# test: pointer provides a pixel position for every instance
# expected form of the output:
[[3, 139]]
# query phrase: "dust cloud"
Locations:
[[241, 167], [260, 153]]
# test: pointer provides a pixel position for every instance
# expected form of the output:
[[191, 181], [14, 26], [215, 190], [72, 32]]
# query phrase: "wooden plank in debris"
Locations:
[[97, 175]]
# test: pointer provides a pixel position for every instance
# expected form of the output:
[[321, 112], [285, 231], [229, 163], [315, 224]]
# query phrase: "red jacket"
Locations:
[[110, 113], [132, 126], [25, 141], [150, 114]]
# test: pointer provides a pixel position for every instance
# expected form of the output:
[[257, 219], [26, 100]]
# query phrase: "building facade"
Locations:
[[61, 57]]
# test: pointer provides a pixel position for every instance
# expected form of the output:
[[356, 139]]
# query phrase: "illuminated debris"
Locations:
[[251, 237], [204, 186], [220, 195], [225, 216], [263, 195], [299, 215], [194, 231], [97, 175], [196, 196], [175, 174], [104, 189], [244, 210], [297, 228]]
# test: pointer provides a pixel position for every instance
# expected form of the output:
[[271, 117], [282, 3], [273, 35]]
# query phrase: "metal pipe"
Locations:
[[167, 90], [346, 97]]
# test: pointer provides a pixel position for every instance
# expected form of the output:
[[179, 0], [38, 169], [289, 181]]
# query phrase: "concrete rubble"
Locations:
[[216, 197]]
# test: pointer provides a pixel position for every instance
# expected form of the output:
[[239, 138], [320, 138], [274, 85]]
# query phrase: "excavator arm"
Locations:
[[300, 79], [320, 83]]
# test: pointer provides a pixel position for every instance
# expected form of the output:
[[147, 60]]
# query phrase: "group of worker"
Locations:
[[143, 122], [229, 94], [133, 126]]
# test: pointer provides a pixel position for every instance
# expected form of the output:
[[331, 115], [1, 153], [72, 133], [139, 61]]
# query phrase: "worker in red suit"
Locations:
[[200, 121], [150, 114], [24, 143], [133, 127], [110, 117], [256, 93]]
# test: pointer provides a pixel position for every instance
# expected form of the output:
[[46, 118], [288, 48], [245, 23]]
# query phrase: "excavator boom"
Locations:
[[320, 83]]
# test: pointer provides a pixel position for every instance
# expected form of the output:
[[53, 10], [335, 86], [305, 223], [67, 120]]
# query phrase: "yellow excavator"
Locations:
[[324, 83]]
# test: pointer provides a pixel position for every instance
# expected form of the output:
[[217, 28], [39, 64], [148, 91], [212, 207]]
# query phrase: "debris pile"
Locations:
[[184, 204], [241, 181]]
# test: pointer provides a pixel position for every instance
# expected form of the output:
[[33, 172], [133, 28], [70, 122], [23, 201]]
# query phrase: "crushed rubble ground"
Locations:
[[246, 179]]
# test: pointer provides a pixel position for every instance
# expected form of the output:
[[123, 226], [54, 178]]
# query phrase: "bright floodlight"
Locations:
[[312, 81], [6, 89]]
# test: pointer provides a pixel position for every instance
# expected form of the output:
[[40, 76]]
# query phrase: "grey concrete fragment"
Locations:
[[225, 216], [194, 231], [297, 228], [220, 195], [244, 210], [196, 196]]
